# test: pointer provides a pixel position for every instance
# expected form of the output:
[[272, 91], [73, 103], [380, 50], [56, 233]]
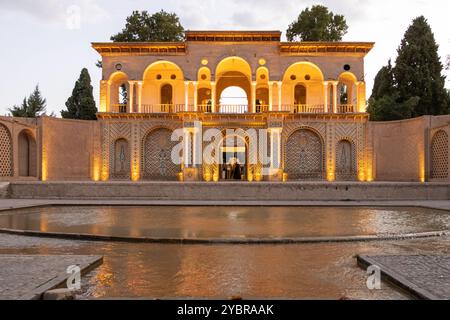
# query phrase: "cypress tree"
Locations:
[[418, 71], [81, 105]]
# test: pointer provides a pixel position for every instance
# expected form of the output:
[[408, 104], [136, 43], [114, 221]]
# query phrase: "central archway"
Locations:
[[233, 73]]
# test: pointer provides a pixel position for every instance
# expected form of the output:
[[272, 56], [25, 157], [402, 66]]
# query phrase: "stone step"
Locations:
[[232, 191], [4, 190]]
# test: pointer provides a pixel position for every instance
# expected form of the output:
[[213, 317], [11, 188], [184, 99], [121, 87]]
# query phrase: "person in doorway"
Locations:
[[237, 172]]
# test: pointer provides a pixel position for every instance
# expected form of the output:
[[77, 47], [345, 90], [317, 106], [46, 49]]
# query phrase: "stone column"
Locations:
[[139, 96], [270, 95], [325, 97], [280, 92], [252, 105], [195, 96], [104, 95], [130, 96], [335, 96], [213, 97], [186, 96], [361, 96]]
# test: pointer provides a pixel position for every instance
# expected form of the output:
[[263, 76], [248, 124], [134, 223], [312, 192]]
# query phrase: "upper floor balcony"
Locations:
[[301, 90]]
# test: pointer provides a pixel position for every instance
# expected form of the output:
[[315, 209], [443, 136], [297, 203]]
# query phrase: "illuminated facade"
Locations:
[[308, 96], [166, 114]]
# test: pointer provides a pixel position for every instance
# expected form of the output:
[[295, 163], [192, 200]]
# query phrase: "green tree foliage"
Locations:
[[158, 27], [415, 86], [32, 107], [317, 24], [81, 105]]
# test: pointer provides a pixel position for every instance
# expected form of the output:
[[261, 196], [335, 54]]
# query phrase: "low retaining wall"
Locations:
[[229, 191], [4, 190]]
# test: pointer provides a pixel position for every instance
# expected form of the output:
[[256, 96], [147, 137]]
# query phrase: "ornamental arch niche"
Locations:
[[439, 156], [6, 161], [157, 156], [345, 161], [121, 160], [303, 84], [304, 158], [27, 154]]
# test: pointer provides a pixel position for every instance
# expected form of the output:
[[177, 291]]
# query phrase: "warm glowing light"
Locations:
[[135, 176], [331, 176], [44, 164], [95, 169], [204, 62], [285, 177], [262, 62], [421, 165], [105, 175]]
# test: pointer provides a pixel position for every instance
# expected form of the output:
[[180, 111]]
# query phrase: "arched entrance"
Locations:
[[304, 156], [234, 159], [27, 155], [157, 156]]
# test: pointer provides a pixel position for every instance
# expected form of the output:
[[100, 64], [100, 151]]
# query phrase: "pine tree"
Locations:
[[81, 105], [31, 108], [36, 104], [418, 70]]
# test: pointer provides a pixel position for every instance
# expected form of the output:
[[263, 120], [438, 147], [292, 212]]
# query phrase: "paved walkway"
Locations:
[[24, 277], [6, 204], [423, 276]]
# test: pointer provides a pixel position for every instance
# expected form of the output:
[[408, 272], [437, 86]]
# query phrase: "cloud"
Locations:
[[55, 11]]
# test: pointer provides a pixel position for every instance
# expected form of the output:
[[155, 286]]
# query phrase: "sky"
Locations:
[[47, 42]]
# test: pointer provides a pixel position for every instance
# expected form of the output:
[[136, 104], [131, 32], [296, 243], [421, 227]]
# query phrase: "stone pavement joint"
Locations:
[[28, 277], [422, 276]]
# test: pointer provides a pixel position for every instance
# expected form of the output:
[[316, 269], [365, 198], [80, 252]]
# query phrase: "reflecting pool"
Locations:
[[226, 222]]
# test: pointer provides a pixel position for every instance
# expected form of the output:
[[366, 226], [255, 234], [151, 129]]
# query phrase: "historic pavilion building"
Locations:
[[310, 96], [303, 104]]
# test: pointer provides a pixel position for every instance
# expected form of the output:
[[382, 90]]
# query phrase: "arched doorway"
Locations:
[[6, 167], [166, 97], [121, 160], [234, 159], [300, 94], [233, 100], [439, 155], [157, 156], [304, 156], [27, 155], [345, 161]]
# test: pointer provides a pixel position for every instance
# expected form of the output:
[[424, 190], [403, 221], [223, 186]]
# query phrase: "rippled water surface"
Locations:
[[227, 222]]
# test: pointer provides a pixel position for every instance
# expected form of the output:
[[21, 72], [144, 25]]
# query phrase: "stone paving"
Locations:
[[423, 276], [26, 277]]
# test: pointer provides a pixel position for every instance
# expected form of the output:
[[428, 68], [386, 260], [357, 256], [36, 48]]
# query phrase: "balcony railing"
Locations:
[[233, 108], [236, 109], [308, 108], [119, 108], [346, 108], [162, 108]]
